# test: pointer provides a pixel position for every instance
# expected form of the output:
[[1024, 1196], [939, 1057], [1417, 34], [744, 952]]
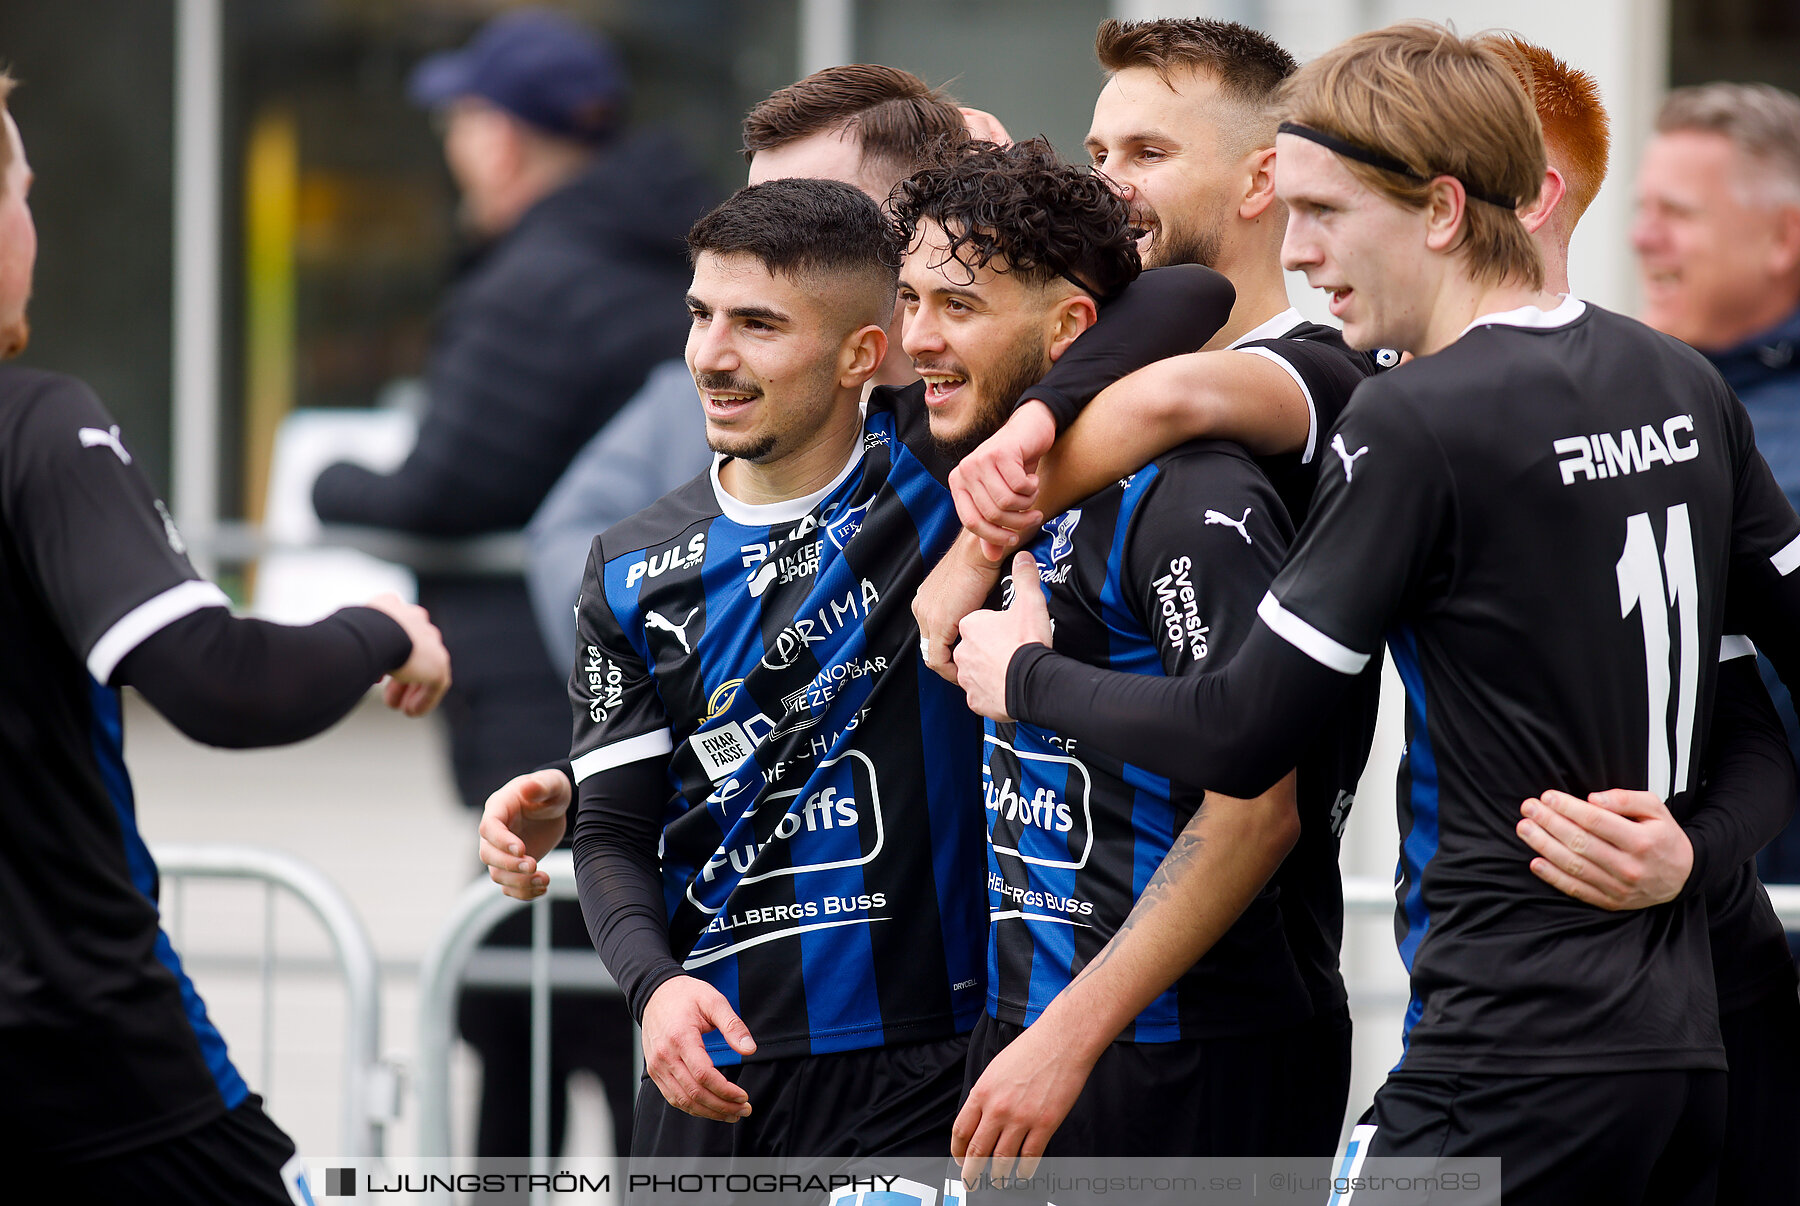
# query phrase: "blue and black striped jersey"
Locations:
[[1158, 575], [821, 843]]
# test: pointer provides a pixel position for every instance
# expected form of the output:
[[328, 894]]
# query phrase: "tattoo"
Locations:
[[1185, 850]]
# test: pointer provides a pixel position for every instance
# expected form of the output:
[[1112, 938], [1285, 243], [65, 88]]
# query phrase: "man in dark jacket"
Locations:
[[574, 295], [1718, 242]]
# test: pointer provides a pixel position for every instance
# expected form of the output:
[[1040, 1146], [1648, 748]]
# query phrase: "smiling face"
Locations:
[[1366, 252], [765, 353], [1160, 146], [1710, 254], [18, 244], [979, 337]]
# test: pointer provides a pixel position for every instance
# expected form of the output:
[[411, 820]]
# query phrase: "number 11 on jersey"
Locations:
[[1642, 588]]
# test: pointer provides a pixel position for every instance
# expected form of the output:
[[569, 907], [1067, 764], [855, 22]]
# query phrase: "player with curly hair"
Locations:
[[1158, 574]]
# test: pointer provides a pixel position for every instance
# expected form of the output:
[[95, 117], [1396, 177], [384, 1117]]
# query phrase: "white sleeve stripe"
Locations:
[[1312, 413], [1788, 558], [1309, 640], [1731, 647], [146, 620], [619, 753]]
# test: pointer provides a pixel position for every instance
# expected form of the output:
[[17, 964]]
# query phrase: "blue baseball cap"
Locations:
[[541, 66]]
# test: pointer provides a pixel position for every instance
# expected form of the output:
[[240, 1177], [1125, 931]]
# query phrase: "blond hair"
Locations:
[[1433, 104]]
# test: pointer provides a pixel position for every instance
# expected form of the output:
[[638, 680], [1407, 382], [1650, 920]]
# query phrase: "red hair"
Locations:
[[1577, 131]]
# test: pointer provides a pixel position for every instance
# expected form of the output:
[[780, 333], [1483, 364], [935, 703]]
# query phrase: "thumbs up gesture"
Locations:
[[990, 638]]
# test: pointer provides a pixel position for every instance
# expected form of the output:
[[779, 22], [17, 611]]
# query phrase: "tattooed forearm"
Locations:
[[1186, 849]]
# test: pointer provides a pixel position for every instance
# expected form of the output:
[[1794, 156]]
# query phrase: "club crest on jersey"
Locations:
[[674, 557], [845, 525], [1386, 358], [94, 437], [1345, 455], [1242, 525], [1062, 543], [1604, 455], [1178, 608]]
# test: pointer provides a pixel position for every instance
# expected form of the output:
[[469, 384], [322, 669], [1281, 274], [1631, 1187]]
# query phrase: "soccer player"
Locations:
[[1632, 853], [1136, 579], [1185, 131], [749, 696], [1542, 510], [114, 1085]]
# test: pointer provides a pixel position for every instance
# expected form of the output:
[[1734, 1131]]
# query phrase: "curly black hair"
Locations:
[[1043, 217]]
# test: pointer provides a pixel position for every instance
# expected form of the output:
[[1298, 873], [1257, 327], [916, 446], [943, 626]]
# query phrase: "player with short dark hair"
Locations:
[[118, 1087], [750, 701], [1541, 510], [895, 119]]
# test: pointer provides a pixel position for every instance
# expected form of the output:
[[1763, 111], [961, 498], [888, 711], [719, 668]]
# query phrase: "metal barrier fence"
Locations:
[[454, 963], [371, 1087]]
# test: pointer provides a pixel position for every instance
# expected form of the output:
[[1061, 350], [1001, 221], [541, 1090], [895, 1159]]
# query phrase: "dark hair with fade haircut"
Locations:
[[799, 228], [1022, 204], [1248, 64], [897, 117]]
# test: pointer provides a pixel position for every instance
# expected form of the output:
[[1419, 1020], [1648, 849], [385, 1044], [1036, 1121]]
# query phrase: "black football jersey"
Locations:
[[1540, 519], [104, 1044], [1310, 881]]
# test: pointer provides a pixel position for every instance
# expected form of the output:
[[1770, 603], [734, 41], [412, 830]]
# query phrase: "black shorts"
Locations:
[[1762, 1157], [881, 1101], [1190, 1097], [1318, 1085], [240, 1157], [1599, 1139]]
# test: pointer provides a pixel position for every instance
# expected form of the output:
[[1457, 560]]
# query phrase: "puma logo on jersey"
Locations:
[[656, 619], [93, 437], [1604, 455], [1240, 524], [1345, 455]]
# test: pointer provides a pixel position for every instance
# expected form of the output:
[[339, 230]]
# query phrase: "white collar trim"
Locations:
[[1274, 328], [767, 515], [1565, 313]]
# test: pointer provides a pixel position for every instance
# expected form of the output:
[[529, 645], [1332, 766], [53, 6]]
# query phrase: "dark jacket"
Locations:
[[540, 342], [1764, 372]]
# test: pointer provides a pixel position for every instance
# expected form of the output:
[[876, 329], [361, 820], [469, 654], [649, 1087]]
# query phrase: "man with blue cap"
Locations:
[[572, 295]]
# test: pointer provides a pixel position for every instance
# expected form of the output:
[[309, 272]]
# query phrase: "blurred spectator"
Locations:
[[572, 295], [1718, 243]]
